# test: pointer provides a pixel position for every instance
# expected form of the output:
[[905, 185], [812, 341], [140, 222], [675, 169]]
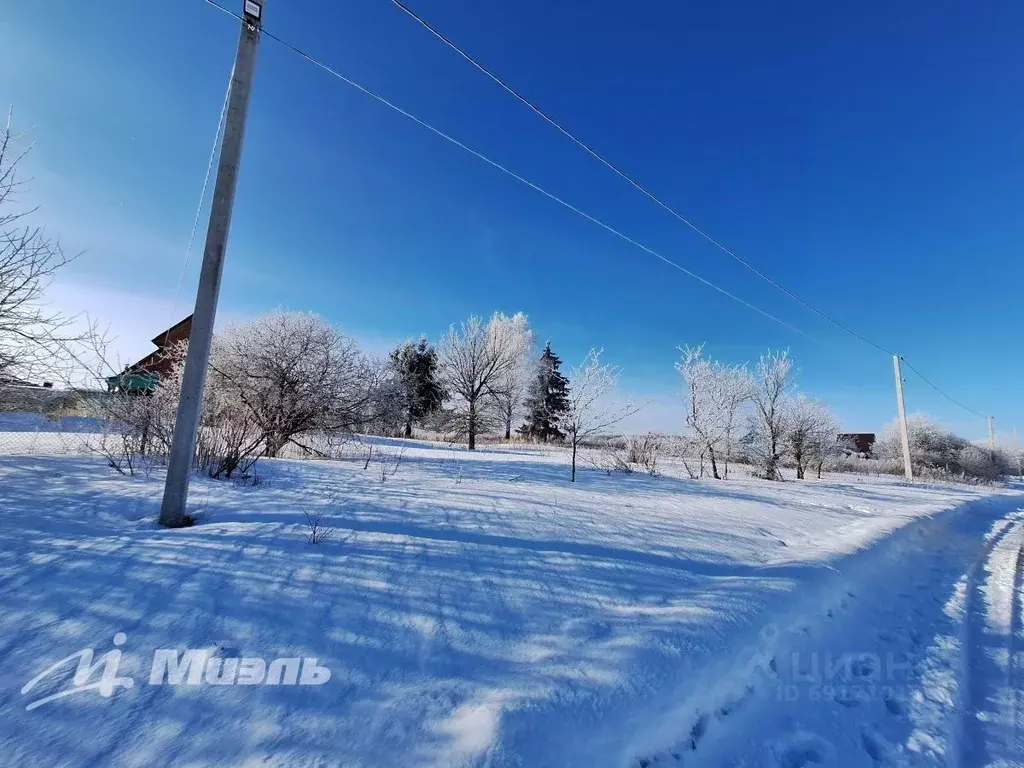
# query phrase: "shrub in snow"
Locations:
[[293, 373], [388, 463], [938, 453], [134, 428], [644, 450], [984, 464], [317, 528], [812, 434], [228, 440], [591, 410]]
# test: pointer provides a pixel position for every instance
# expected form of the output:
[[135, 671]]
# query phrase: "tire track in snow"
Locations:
[[1016, 630], [972, 741], [870, 709]]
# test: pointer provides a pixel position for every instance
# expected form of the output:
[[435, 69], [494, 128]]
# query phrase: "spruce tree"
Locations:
[[415, 367], [547, 400]]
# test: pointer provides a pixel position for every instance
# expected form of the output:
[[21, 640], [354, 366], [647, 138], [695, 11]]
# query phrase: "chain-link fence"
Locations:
[[42, 420]]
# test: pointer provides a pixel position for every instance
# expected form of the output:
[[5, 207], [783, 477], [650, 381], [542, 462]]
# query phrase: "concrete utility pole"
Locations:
[[904, 432], [992, 434], [190, 404]]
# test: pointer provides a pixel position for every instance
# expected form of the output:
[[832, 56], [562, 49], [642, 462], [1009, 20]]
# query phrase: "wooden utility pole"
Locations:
[[190, 403], [904, 432]]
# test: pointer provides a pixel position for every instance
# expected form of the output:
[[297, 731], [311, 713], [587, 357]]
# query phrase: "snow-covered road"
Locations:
[[914, 659], [992, 714], [479, 609]]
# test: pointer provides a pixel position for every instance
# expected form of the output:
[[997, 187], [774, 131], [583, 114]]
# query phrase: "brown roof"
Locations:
[[180, 331], [157, 361]]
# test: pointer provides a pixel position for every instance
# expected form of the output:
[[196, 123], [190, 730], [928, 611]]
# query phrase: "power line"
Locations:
[[532, 106], [933, 386], [202, 194], [494, 164], [438, 132], [622, 174]]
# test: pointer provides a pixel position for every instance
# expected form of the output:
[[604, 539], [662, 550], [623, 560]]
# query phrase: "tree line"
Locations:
[[483, 377], [293, 378], [757, 413]]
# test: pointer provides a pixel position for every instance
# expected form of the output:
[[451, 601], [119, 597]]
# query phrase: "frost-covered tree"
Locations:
[[931, 445], [511, 386], [295, 373], [770, 394], [591, 411], [714, 395], [414, 367], [34, 339], [732, 386], [826, 446], [135, 429], [547, 399], [936, 451], [475, 358], [812, 433]]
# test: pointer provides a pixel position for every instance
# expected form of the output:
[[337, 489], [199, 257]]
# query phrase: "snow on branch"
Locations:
[[590, 412]]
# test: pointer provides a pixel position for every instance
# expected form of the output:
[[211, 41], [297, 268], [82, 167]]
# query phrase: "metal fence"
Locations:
[[35, 433]]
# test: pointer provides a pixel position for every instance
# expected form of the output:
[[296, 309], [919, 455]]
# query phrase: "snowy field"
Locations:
[[478, 609]]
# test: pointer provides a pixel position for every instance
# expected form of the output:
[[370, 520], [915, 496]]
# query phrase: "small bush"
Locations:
[[644, 450], [938, 454], [317, 527]]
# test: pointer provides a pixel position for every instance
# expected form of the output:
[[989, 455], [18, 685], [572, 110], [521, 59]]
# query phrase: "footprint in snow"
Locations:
[[698, 730], [729, 707], [895, 705], [847, 700], [863, 666], [801, 750], [874, 743]]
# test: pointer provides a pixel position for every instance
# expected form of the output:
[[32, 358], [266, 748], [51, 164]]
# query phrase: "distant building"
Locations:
[[142, 377], [20, 395], [14, 381], [859, 442]]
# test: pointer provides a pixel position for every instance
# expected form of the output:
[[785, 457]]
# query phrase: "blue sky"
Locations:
[[868, 155]]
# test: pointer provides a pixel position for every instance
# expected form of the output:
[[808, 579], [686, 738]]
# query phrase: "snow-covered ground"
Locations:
[[478, 609]]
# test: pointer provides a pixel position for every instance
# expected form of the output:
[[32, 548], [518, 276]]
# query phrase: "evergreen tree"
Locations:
[[420, 391], [547, 399]]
